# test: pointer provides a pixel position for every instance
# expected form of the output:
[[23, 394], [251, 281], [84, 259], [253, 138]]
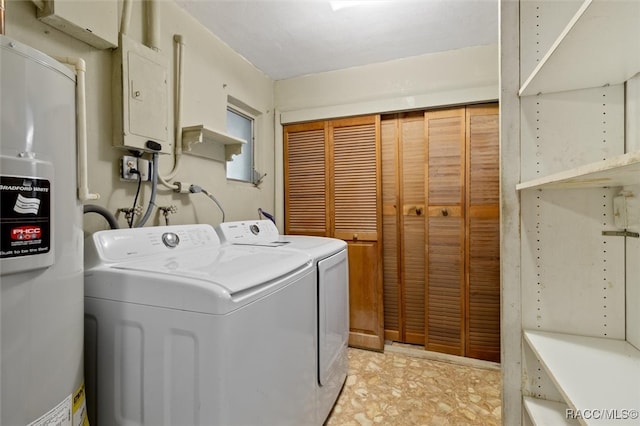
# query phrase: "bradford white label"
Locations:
[[25, 216]]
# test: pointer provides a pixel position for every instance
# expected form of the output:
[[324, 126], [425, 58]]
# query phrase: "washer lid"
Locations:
[[235, 268]]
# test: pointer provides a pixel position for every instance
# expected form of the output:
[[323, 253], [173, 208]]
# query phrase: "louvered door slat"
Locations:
[[305, 182]]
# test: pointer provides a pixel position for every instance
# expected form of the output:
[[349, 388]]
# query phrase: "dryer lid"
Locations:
[[235, 268], [317, 247]]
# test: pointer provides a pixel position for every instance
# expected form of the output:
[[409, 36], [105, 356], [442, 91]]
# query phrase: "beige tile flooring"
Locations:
[[404, 386]]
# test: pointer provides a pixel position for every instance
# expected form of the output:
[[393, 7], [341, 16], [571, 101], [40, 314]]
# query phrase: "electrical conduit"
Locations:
[[126, 16], [81, 127], [153, 25], [177, 113]]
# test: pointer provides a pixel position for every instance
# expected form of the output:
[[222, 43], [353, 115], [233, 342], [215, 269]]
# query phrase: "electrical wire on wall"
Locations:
[[154, 188], [135, 199]]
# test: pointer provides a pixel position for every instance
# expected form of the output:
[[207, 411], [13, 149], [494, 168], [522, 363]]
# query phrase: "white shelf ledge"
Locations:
[[617, 171], [591, 373], [599, 46], [206, 143], [544, 413]]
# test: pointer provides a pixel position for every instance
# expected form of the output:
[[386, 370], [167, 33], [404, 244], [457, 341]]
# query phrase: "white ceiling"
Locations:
[[290, 38]]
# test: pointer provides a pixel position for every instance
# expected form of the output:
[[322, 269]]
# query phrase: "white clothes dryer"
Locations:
[[182, 331], [330, 260]]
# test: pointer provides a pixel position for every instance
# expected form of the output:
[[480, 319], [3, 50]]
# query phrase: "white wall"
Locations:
[[455, 77], [447, 78], [212, 72]]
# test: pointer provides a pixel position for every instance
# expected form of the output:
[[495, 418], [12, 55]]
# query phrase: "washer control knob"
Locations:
[[170, 239], [255, 230]]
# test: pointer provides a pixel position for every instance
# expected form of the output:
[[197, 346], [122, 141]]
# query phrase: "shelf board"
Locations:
[[617, 171], [212, 144], [599, 46], [590, 372], [543, 413]]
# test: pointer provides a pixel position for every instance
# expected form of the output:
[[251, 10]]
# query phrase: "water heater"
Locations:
[[41, 252]]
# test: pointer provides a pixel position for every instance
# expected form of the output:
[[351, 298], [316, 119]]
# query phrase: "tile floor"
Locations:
[[402, 386]]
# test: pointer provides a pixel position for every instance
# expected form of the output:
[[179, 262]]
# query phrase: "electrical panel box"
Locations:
[[94, 22], [141, 98]]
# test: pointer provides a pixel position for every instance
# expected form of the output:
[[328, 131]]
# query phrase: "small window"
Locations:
[[241, 126]]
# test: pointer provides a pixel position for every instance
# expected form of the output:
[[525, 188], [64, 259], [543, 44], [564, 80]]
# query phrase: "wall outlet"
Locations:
[[144, 169], [127, 164]]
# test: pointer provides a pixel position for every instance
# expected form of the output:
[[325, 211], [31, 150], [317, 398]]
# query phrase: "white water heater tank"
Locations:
[[41, 242]]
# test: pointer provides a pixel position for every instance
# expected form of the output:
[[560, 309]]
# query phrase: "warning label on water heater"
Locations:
[[25, 216]]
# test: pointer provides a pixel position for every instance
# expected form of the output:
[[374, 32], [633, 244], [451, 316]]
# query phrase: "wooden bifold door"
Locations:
[[332, 187], [441, 230]]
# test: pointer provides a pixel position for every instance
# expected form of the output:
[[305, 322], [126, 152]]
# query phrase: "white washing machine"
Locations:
[[332, 312], [182, 331]]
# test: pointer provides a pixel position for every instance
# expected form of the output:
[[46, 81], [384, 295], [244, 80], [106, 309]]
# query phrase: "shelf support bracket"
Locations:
[[624, 233]]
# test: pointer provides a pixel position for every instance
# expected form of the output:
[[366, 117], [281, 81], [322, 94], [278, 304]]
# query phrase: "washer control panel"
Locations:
[[119, 244]]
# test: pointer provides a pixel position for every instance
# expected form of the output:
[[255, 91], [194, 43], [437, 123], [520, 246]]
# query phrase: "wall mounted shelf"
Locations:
[[211, 144], [544, 413], [617, 171], [599, 46], [590, 372]]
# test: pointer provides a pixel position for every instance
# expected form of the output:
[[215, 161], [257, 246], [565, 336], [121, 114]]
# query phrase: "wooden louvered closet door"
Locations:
[[445, 230], [357, 220], [332, 188], [483, 234], [404, 249], [440, 230], [391, 233]]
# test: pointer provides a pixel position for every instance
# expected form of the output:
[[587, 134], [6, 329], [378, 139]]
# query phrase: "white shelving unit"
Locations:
[[589, 369], [591, 373], [595, 48]]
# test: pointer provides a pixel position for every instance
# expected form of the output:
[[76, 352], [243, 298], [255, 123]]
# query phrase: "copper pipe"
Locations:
[[1, 17]]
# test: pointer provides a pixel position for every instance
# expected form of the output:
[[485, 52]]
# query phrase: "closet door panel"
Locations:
[[445, 277], [412, 149], [445, 133], [305, 179], [484, 289], [390, 230], [483, 234], [332, 188], [357, 218], [413, 279], [445, 230], [365, 301]]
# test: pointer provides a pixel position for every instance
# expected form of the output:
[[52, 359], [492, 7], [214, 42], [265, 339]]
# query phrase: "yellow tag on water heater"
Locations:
[[79, 408]]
